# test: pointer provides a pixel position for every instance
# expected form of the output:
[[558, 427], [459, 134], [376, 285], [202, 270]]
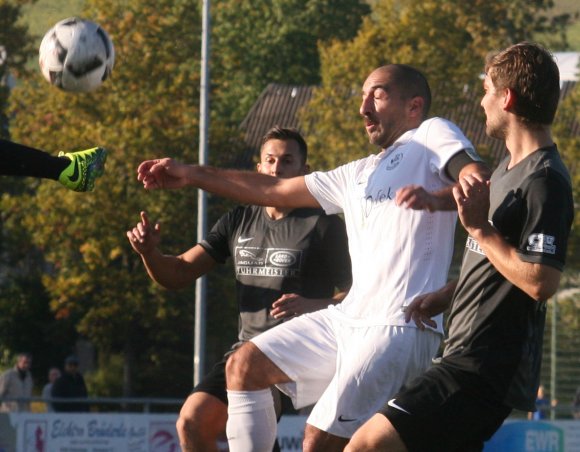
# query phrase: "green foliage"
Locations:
[[273, 41], [107, 380], [149, 107], [15, 50], [448, 40], [566, 134]]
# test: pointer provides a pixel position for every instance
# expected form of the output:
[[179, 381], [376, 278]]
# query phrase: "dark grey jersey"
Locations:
[[495, 329], [305, 253]]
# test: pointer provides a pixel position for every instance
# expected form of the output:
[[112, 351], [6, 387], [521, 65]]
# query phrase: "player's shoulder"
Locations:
[[546, 166]]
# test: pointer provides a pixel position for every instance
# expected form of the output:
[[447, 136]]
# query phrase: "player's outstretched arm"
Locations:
[[171, 272], [243, 186]]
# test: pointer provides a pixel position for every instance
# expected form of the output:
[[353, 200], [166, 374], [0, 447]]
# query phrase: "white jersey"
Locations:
[[397, 253]]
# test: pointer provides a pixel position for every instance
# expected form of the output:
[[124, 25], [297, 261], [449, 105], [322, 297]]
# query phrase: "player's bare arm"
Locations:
[[417, 198], [171, 272], [424, 307], [472, 197], [291, 304], [243, 186]]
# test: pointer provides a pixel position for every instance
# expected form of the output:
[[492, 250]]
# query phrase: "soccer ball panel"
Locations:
[[76, 55]]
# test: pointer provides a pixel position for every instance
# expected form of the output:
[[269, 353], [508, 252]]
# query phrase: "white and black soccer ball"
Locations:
[[76, 55]]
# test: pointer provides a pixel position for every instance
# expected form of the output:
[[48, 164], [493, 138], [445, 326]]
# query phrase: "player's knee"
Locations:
[[356, 445], [194, 430], [186, 421], [238, 369], [319, 440]]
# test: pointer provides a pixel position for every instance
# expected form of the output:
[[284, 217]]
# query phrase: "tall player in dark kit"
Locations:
[[518, 227], [77, 171], [287, 262]]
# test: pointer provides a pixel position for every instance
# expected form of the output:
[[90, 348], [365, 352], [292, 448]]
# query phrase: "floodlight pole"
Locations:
[[200, 287]]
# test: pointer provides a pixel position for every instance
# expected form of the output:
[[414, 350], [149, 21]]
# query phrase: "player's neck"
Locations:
[[525, 141], [276, 213]]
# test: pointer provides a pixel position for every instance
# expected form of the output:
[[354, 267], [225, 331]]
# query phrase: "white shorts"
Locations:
[[350, 372]]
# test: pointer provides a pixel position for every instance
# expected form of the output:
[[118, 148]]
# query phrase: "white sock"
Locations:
[[251, 423]]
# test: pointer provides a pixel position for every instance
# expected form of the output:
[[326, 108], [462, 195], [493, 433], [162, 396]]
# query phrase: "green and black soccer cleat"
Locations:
[[84, 169]]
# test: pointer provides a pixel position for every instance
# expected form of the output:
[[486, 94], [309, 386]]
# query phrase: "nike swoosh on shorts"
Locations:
[[392, 404], [341, 418]]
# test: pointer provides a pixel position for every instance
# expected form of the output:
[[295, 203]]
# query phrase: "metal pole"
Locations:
[[553, 354], [200, 287]]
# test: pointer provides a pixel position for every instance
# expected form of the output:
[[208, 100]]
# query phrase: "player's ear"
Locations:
[[306, 169], [258, 167], [416, 106], [509, 99]]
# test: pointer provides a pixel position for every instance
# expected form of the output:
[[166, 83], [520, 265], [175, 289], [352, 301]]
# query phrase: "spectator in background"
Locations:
[[17, 382], [53, 374], [70, 385], [542, 406]]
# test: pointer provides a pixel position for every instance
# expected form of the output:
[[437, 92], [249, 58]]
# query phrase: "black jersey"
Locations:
[[495, 329], [305, 253]]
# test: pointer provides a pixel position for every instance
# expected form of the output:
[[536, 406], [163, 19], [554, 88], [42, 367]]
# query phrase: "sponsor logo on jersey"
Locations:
[[246, 253], [282, 259], [472, 245], [394, 160], [244, 239], [541, 243], [375, 200], [267, 262]]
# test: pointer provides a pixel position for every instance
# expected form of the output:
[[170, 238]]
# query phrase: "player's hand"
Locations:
[[472, 198], [424, 307], [289, 305], [162, 173], [144, 237], [415, 197]]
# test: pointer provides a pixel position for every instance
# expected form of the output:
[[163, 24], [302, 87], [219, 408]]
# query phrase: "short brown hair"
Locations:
[[531, 73], [286, 134]]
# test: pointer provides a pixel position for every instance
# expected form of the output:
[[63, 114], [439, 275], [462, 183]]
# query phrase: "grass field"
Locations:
[[43, 14]]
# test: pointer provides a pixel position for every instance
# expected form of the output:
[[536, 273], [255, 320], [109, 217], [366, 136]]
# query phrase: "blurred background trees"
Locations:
[[67, 271]]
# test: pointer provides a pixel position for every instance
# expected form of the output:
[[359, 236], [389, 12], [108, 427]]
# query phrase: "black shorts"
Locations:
[[214, 383], [445, 410]]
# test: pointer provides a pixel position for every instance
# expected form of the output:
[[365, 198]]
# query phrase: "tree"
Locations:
[[148, 107], [567, 136], [273, 41], [448, 40], [15, 50]]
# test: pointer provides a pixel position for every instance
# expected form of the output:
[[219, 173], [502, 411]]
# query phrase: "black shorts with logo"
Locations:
[[445, 410]]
